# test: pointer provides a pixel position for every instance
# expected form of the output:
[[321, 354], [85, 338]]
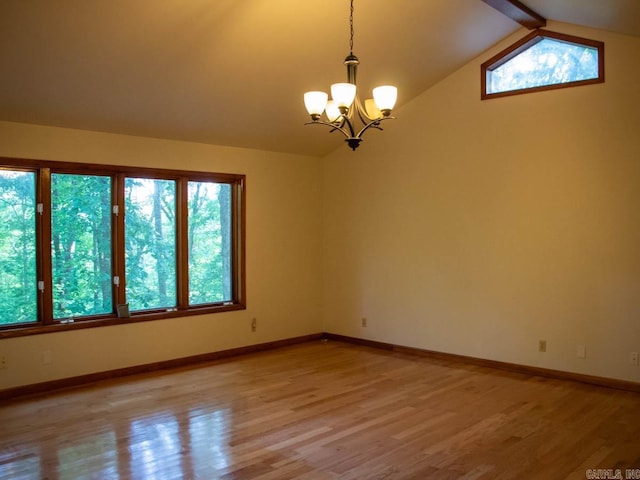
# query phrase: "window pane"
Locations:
[[209, 242], [18, 282], [150, 239], [81, 245], [548, 62]]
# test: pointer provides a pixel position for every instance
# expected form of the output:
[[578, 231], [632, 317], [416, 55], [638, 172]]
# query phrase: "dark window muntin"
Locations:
[[527, 42], [43, 170]]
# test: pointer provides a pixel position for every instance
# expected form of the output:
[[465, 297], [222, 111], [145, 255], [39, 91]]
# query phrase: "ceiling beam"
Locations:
[[518, 12]]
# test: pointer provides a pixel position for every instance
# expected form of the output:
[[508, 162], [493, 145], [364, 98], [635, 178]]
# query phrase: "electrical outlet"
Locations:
[[364, 322], [254, 325], [633, 358], [582, 351], [46, 357], [3, 362], [542, 345]]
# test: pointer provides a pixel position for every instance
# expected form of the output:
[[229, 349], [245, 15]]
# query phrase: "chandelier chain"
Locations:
[[351, 29]]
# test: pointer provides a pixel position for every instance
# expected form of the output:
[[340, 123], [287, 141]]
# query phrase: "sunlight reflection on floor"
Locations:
[[158, 446]]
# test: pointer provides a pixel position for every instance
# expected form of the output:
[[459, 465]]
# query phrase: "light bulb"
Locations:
[[315, 103], [372, 109], [385, 98], [343, 94], [332, 111]]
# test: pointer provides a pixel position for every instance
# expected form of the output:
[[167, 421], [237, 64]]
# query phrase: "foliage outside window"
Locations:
[[150, 240], [18, 280], [209, 243], [81, 245], [543, 60], [78, 240]]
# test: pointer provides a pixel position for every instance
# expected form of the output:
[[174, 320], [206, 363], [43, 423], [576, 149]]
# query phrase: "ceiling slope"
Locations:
[[233, 73]]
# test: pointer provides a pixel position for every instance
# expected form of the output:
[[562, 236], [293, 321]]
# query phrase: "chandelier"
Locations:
[[344, 112]]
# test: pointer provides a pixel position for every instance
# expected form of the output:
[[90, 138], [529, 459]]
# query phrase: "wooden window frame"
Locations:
[[524, 44], [43, 170]]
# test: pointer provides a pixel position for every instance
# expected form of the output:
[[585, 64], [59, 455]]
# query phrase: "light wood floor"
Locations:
[[322, 410]]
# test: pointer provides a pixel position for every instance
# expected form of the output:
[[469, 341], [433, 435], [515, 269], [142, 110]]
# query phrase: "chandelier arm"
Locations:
[[374, 124], [352, 132], [340, 122], [332, 125], [362, 112]]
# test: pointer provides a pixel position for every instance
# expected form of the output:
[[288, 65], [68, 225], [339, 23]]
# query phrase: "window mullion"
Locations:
[[182, 243], [118, 241], [43, 248], [238, 241]]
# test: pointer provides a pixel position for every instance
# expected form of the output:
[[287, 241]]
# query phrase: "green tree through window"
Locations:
[[150, 236], [81, 245], [78, 240], [209, 242], [543, 60], [18, 281]]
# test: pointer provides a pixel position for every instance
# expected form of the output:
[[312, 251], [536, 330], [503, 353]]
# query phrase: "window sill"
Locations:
[[38, 329]]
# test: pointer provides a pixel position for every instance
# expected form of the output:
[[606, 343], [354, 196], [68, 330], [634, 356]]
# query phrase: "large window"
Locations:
[[98, 244], [543, 60]]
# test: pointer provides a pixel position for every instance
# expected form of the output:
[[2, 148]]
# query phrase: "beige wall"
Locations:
[[467, 226], [480, 227], [283, 256]]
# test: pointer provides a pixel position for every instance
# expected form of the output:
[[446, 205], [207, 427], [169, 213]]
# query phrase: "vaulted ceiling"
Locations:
[[232, 72]]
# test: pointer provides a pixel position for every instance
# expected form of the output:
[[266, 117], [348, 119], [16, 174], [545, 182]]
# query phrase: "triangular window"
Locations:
[[543, 60]]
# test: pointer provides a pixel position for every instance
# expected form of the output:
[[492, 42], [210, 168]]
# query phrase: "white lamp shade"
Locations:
[[385, 97], [372, 109], [332, 111], [343, 94], [315, 102]]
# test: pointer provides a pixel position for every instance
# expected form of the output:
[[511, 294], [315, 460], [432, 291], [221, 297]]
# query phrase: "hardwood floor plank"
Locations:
[[318, 411]]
